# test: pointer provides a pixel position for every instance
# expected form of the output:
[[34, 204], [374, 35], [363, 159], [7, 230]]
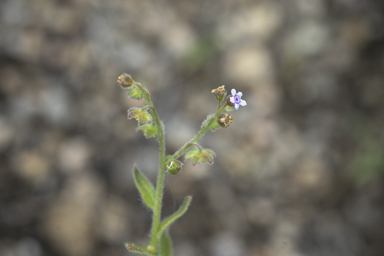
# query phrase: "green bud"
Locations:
[[135, 93], [200, 156], [230, 106], [140, 114], [150, 130], [172, 165]]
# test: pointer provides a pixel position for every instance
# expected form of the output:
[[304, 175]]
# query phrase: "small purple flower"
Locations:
[[236, 99]]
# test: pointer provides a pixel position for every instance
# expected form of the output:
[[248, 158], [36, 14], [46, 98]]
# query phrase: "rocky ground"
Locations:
[[298, 173]]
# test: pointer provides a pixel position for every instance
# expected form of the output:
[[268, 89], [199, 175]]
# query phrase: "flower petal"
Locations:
[[233, 91], [237, 106], [243, 103], [232, 99], [240, 94]]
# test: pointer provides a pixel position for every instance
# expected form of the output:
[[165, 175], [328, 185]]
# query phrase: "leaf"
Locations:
[[150, 130], [140, 114], [168, 221], [147, 191], [136, 248], [135, 93], [165, 245], [200, 156]]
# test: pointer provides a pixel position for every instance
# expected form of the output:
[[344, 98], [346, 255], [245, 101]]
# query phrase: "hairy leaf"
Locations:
[[165, 245], [136, 248], [147, 191], [168, 221]]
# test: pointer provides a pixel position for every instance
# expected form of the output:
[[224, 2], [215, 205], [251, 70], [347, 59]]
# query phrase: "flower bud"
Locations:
[[230, 106], [224, 120], [135, 93], [125, 80], [220, 92], [200, 156], [172, 165]]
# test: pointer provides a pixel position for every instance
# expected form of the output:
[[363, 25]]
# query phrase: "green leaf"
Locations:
[[168, 221], [135, 93], [165, 245], [200, 156], [150, 130], [147, 191], [140, 114], [136, 248]]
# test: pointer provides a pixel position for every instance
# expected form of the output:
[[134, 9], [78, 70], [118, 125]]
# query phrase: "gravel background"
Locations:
[[299, 172]]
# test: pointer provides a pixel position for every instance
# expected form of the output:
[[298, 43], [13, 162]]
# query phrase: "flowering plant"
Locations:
[[148, 121]]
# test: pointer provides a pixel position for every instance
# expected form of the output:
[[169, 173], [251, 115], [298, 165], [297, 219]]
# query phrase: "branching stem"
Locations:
[[204, 128], [154, 239]]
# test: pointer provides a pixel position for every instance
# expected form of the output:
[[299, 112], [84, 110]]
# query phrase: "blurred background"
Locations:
[[299, 172]]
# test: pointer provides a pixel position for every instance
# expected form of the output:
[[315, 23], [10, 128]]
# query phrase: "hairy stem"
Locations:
[[204, 128], [161, 173]]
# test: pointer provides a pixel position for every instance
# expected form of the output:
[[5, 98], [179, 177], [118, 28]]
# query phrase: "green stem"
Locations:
[[204, 128], [161, 174]]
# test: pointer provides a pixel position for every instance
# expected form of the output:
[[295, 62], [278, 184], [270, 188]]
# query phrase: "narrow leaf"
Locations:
[[168, 221], [136, 248], [147, 191], [165, 245]]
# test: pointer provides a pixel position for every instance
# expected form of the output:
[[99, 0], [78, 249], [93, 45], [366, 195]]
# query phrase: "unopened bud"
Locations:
[[125, 80], [225, 119], [230, 106], [172, 165], [220, 92]]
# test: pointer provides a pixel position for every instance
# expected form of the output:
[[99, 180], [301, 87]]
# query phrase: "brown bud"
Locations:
[[230, 106], [220, 92], [224, 120], [125, 80]]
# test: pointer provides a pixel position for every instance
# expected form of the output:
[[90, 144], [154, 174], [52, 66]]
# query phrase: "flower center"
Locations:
[[237, 99]]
